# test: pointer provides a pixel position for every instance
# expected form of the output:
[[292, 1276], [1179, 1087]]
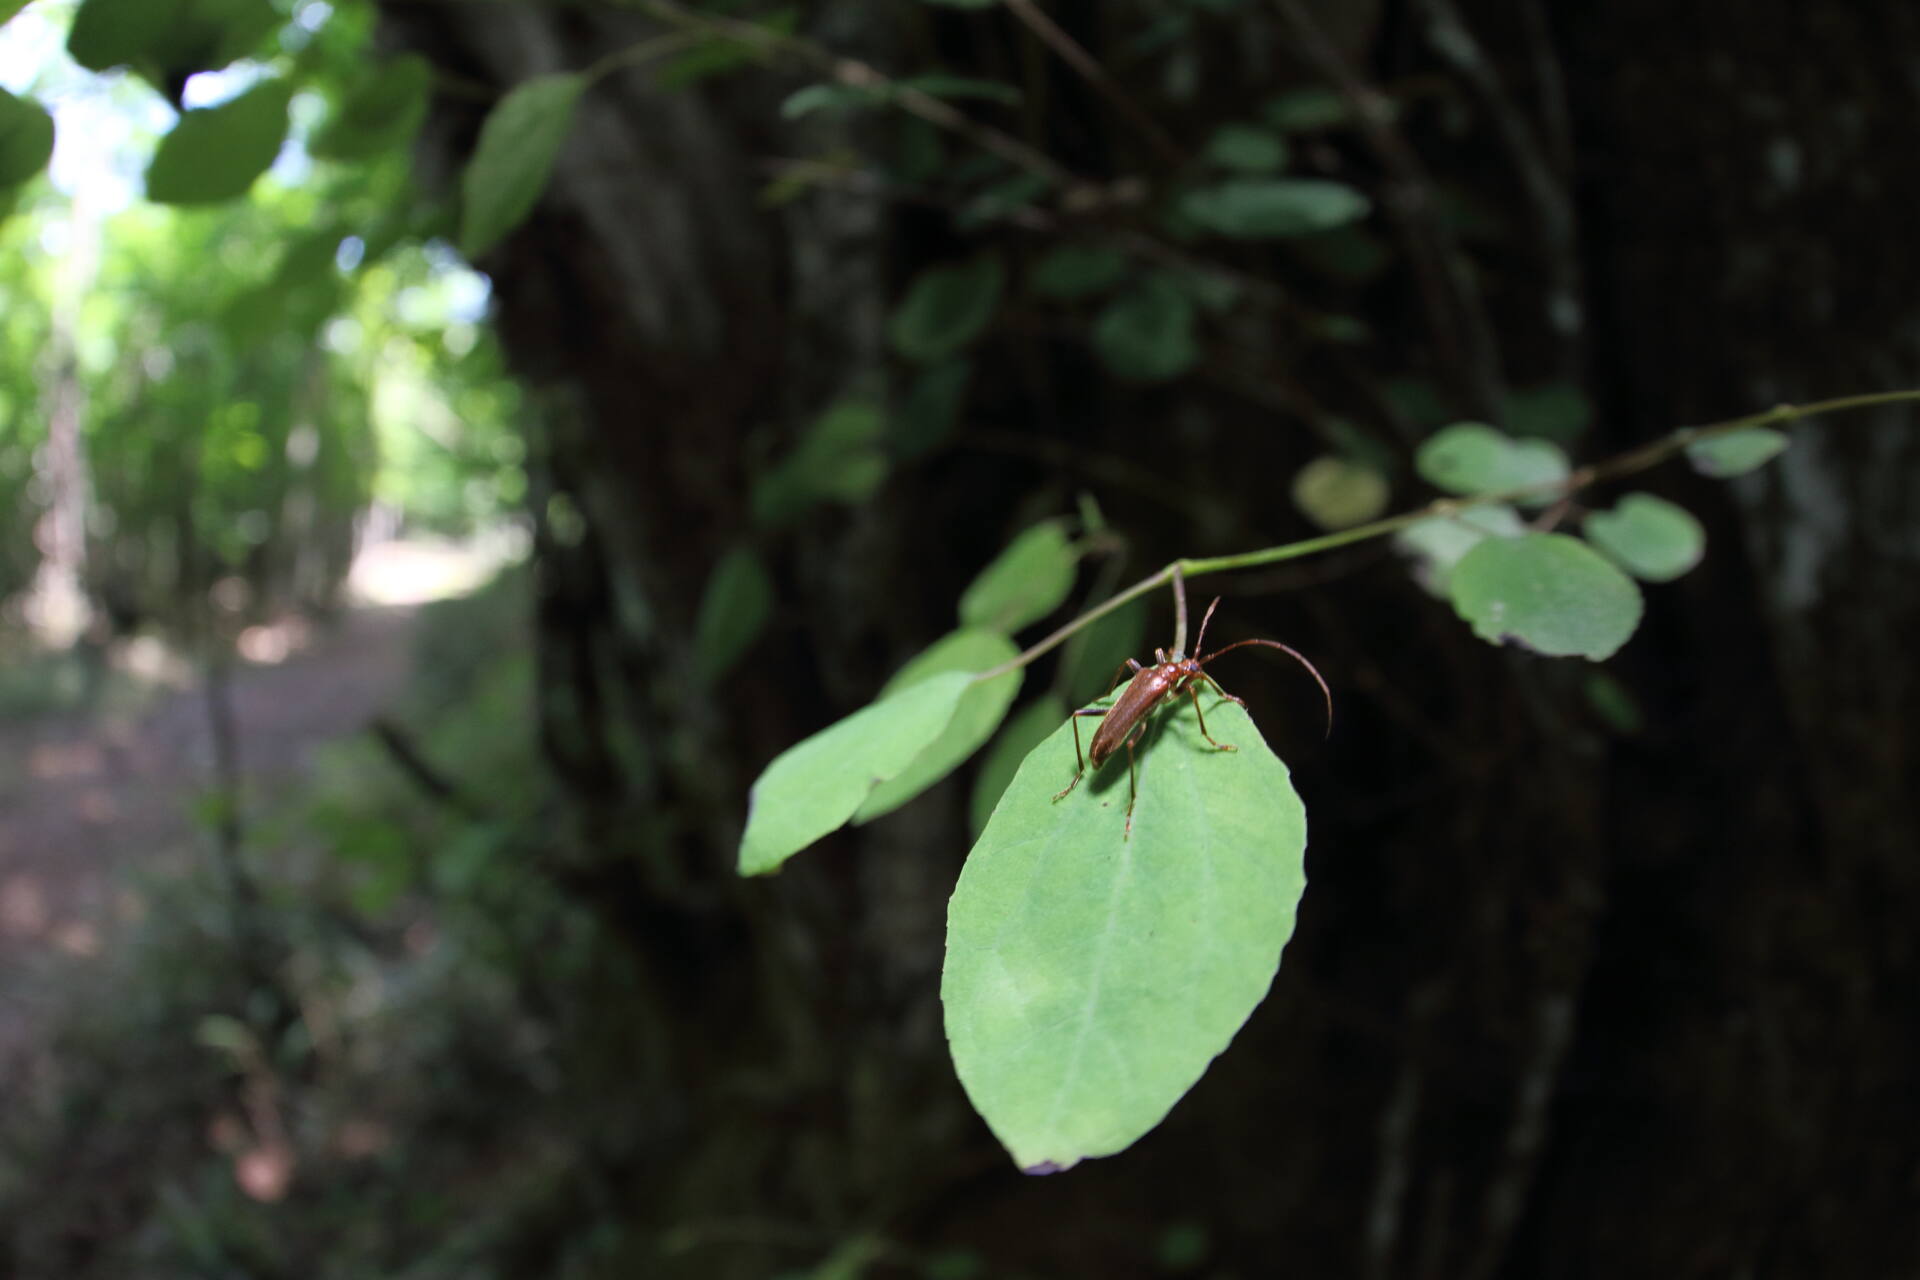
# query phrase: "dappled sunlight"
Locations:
[[411, 572]]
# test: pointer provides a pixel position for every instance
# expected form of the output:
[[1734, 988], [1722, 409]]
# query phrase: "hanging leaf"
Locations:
[[839, 460], [382, 112], [1147, 333], [26, 139], [1473, 458], [1338, 493], [1651, 538], [1025, 583], [981, 708], [931, 410], [946, 308], [1271, 208], [1075, 271], [1091, 979], [812, 788], [1439, 543], [1027, 729], [111, 33], [514, 158], [1547, 592], [1247, 148], [1737, 452], [216, 153], [733, 611]]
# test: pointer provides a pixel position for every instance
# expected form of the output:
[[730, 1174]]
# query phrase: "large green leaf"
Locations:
[[1027, 729], [813, 787], [384, 110], [946, 308], [1736, 452], [1651, 538], [733, 611], [1548, 592], [26, 139], [1091, 978], [1473, 458], [1439, 543], [1025, 583], [216, 153], [1269, 208], [108, 33], [979, 712], [514, 158], [1147, 333]]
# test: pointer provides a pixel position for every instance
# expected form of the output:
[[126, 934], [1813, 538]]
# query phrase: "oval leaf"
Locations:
[[107, 33], [1548, 592], [1737, 452], [946, 308], [26, 139], [733, 611], [1338, 493], [1247, 148], [1651, 538], [1147, 333], [1090, 979], [1438, 543], [813, 787], [385, 110], [1270, 208], [979, 712], [1473, 458], [1076, 271], [1025, 731], [514, 158], [216, 153], [1025, 583]]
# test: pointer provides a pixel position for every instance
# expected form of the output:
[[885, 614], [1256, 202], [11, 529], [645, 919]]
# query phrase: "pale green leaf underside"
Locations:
[[1546, 592], [813, 787], [1025, 583], [981, 708], [1090, 980], [1651, 538], [1737, 452], [514, 158], [1440, 541]]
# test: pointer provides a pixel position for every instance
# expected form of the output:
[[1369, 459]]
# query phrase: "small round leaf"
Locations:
[[1737, 452], [1473, 458], [946, 308], [1025, 583], [1651, 538], [1547, 592], [1147, 333], [1247, 148], [1271, 208], [1075, 271], [1338, 493]]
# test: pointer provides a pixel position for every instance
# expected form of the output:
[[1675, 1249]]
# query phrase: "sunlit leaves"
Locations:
[[978, 713], [1547, 592], [946, 308], [1075, 271], [1338, 493], [1025, 583], [1473, 458], [1651, 538], [1090, 979], [384, 110], [216, 153], [1272, 208], [1146, 334], [1736, 452], [814, 787], [26, 139], [733, 611], [514, 158]]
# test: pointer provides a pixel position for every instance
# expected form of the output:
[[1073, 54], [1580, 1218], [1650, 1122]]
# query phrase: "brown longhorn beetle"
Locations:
[[1125, 722]]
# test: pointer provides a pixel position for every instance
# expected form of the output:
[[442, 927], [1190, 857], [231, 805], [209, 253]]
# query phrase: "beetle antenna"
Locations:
[[1291, 652], [1200, 643]]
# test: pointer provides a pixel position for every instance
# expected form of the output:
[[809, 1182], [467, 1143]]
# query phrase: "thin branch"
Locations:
[[1075, 55]]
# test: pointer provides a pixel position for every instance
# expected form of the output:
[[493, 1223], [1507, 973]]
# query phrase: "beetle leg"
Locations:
[[1121, 670], [1079, 760], [1195, 693], [1133, 781]]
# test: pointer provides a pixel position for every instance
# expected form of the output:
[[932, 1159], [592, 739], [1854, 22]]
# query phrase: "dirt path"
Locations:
[[83, 801]]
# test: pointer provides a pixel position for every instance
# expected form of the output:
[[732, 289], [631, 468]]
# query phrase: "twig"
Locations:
[[416, 768], [1075, 55]]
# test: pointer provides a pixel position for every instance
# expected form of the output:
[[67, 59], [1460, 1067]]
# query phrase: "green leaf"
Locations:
[[514, 158], [946, 308], [1338, 493], [1147, 333], [1440, 542], [717, 54], [839, 460], [1090, 979], [930, 412], [216, 153], [1651, 538], [1269, 208], [813, 787], [1736, 453], [205, 35], [1097, 651], [1247, 148], [8, 8], [1473, 458], [1554, 410], [383, 111], [828, 97], [1026, 730], [1548, 592], [1614, 703], [109, 33], [26, 139], [941, 85], [1025, 583], [981, 708], [1075, 271], [1000, 201], [1306, 110], [733, 611]]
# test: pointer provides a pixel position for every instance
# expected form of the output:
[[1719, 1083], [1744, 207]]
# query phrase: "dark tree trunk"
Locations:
[[1562, 1002]]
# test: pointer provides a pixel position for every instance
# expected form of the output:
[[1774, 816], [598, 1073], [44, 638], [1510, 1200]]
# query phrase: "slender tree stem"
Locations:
[[1624, 464]]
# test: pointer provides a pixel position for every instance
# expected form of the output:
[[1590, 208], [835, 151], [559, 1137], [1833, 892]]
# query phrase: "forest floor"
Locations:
[[91, 803]]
